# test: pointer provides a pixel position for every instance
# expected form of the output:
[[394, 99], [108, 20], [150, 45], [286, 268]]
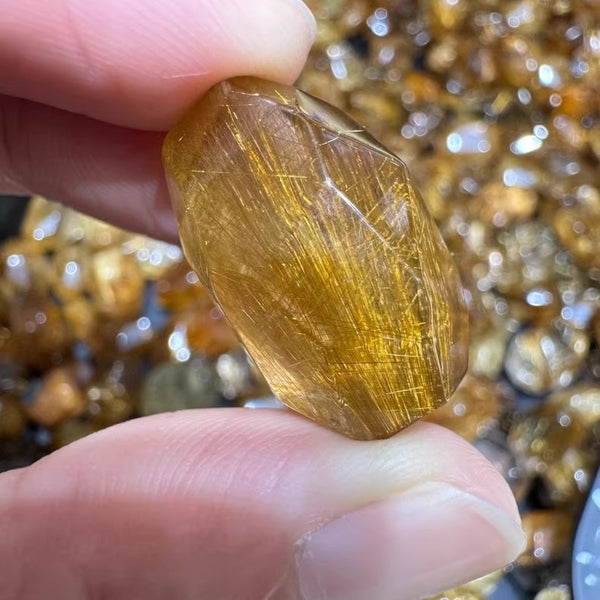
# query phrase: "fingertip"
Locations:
[[464, 466]]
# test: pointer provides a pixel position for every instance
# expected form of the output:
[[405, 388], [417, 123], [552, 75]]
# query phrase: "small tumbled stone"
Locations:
[[542, 358], [58, 398]]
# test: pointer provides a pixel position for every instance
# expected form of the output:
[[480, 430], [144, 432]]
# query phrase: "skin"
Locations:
[[213, 504]]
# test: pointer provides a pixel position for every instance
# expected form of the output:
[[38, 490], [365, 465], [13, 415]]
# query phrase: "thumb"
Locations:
[[255, 505]]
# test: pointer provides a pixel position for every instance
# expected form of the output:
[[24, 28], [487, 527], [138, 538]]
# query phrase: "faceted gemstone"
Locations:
[[486, 352], [567, 479], [548, 535], [317, 246], [81, 317], [198, 329], [59, 398], [95, 234], [500, 205]]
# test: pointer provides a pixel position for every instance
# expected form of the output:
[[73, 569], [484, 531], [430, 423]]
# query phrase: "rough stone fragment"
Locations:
[[313, 240], [59, 398]]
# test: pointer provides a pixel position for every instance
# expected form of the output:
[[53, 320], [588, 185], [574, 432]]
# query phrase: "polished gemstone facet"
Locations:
[[313, 240]]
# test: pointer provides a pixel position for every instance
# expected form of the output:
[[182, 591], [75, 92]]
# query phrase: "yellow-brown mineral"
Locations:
[[318, 248]]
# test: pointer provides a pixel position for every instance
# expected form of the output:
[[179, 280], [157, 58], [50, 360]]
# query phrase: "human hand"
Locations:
[[214, 504]]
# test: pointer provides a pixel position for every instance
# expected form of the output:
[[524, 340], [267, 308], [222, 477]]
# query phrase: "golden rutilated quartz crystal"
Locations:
[[318, 248]]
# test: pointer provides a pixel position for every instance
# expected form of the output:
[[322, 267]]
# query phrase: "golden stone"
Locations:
[[473, 410], [548, 535], [312, 238], [118, 285], [540, 359], [58, 399]]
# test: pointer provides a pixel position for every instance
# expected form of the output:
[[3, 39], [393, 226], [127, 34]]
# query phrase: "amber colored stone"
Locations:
[[472, 410], [582, 399], [41, 222], [117, 285], [12, 417], [39, 331], [180, 287], [318, 248], [81, 316], [59, 398], [72, 273], [548, 535]]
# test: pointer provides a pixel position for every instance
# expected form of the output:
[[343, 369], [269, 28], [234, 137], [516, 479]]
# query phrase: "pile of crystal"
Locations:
[[97, 326], [495, 106], [312, 239]]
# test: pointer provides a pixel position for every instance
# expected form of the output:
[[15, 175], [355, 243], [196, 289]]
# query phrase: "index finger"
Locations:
[[141, 63]]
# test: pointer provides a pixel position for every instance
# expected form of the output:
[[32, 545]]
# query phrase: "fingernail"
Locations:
[[424, 541], [306, 15]]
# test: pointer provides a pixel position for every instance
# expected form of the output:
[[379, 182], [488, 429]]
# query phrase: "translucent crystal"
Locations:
[[313, 240]]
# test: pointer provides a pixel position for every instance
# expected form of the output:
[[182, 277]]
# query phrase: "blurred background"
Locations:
[[495, 106]]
